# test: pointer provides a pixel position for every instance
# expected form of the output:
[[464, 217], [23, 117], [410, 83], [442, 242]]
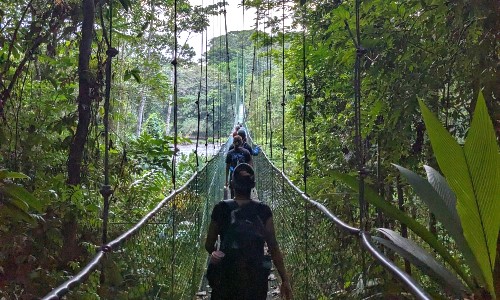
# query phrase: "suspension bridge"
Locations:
[[162, 256]]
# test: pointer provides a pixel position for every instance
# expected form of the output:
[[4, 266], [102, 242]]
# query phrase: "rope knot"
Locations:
[[106, 191], [360, 51], [106, 249], [174, 62], [112, 52], [363, 172]]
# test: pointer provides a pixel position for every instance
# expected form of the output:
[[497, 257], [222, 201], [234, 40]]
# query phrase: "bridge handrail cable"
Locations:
[[81, 276], [414, 287]]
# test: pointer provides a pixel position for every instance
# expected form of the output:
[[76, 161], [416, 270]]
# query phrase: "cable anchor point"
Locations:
[[106, 191], [112, 52]]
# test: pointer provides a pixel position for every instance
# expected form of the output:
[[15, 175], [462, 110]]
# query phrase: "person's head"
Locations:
[[237, 141], [243, 134], [243, 180], [236, 128]]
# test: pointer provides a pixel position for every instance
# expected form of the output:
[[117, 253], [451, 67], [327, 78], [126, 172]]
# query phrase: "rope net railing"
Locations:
[[162, 256], [323, 255]]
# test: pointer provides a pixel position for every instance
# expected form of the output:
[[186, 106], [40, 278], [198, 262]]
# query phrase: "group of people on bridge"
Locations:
[[239, 229]]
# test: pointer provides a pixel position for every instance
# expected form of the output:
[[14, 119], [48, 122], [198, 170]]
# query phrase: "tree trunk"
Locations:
[[84, 95], [169, 113], [140, 113]]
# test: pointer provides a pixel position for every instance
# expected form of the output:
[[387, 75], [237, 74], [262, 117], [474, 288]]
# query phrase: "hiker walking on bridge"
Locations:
[[234, 157], [240, 270]]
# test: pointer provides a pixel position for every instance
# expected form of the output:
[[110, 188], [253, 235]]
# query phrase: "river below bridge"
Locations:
[[210, 150]]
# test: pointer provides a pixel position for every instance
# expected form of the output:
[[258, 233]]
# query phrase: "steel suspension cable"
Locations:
[[304, 133], [227, 60], [198, 112], [362, 173], [283, 148], [270, 84], [254, 60], [264, 89], [213, 99], [219, 87], [106, 190], [243, 66], [206, 96], [174, 206]]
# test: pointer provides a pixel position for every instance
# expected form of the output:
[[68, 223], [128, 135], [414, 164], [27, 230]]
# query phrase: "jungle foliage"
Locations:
[[424, 62]]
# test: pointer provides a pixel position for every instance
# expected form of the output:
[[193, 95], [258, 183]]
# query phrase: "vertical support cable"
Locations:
[[207, 121], [198, 112], [243, 67], [264, 89], [304, 131], [362, 173], [213, 98], [227, 61], [283, 148], [269, 87], [174, 208], [253, 63], [357, 104], [106, 190]]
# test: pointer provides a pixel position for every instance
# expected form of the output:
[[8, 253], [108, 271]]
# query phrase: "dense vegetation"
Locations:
[[53, 58]]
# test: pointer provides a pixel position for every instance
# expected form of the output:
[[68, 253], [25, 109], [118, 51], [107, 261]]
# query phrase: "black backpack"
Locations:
[[243, 243], [245, 236]]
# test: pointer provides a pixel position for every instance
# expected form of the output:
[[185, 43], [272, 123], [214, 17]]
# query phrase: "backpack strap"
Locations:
[[231, 204]]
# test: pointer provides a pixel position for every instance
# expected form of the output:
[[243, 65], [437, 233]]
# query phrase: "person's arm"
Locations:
[[213, 231], [249, 159], [277, 256], [227, 173]]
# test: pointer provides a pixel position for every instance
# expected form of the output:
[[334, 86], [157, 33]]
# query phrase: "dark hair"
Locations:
[[237, 141], [242, 133], [243, 179]]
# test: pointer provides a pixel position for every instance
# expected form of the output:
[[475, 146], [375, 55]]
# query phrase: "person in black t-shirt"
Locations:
[[240, 277], [234, 157]]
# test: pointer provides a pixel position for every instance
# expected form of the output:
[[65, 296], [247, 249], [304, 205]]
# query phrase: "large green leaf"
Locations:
[[20, 193], [472, 173], [391, 211], [443, 208], [422, 259], [9, 210], [439, 184], [428, 194], [6, 174]]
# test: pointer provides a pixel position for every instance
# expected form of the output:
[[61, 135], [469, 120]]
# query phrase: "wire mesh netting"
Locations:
[[165, 258], [323, 261]]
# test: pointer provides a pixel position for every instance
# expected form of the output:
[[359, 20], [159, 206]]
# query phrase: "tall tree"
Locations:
[[84, 95]]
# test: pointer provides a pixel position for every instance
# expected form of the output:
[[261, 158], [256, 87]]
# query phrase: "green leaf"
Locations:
[[472, 172], [421, 258], [136, 73], [444, 210], [6, 174], [126, 4], [391, 211], [11, 211], [440, 185], [127, 75], [18, 192]]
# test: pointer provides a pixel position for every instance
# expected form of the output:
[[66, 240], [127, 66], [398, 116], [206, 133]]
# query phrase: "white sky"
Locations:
[[235, 22]]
